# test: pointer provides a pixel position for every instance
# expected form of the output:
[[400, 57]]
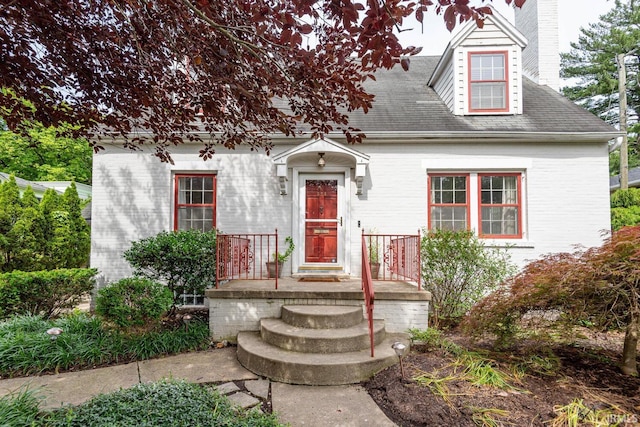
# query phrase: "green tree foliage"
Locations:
[[113, 66], [133, 301], [458, 270], [601, 284], [183, 260], [592, 70], [625, 208], [41, 235], [40, 153]]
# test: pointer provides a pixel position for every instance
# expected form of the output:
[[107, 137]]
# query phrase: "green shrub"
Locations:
[[622, 217], [43, 292], [458, 270], [183, 260], [26, 349], [625, 198], [164, 403], [133, 301], [625, 208]]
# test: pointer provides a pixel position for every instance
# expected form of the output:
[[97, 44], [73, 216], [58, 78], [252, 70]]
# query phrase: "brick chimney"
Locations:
[[537, 20]]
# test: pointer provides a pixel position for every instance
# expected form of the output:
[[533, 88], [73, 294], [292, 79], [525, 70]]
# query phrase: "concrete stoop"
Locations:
[[317, 345]]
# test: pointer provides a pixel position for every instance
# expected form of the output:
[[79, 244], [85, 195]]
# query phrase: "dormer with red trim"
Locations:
[[480, 72]]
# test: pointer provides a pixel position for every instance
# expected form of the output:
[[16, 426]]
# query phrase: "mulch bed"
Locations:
[[583, 373]]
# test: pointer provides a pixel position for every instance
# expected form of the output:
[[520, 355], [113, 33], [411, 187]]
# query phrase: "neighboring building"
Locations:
[[472, 139], [84, 190], [634, 180], [37, 188]]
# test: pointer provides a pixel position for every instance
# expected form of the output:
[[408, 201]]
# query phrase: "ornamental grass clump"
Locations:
[[86, 342], [19, 409]]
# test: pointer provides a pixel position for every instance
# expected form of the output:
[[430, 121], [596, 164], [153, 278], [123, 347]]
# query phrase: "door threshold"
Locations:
[[306, 268]]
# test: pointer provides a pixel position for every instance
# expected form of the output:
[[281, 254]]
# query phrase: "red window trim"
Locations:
[[467, 204], [518, 205], [506, 82], [177, 205]]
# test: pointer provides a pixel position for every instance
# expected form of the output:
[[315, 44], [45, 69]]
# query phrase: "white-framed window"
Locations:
[[489, 202], [488, 83]]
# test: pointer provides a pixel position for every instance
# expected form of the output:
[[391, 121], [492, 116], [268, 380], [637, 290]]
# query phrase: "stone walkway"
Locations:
[[348, 405]]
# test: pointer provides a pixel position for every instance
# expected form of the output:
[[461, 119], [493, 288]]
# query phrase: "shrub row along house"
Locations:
[[478, 138]]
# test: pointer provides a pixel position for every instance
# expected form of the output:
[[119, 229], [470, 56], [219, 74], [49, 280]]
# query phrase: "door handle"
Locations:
[[340, 221]]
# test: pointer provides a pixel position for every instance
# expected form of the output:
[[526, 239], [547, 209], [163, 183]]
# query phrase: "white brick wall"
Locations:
[[227, 317], [566, 195]]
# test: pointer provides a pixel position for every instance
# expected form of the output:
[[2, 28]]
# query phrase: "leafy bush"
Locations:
[[133, 301], [43, 292], [26, 349], [626, 198], [622, 217], [458, 270], [183, 260], [601, 284], [625, 208], [163, 403]]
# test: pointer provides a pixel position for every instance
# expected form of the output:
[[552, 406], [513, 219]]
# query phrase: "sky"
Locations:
[[573, 14]]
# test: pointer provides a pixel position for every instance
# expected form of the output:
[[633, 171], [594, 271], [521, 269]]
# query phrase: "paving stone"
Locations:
[[227, 388], [243, 400], [258, 388]]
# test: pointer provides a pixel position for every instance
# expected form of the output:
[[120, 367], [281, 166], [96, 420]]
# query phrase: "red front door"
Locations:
[[321, 220]]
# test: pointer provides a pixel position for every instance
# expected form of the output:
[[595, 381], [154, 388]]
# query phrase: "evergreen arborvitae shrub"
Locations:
[[133, 301]]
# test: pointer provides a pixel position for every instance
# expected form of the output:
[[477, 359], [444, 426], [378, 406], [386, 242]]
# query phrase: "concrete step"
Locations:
[[340, 340], [312, 368], [322, 316]]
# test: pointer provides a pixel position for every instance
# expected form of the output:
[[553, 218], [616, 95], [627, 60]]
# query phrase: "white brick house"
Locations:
[[478, 138]]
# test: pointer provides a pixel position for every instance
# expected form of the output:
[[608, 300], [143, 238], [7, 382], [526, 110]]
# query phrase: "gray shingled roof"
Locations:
[[634, 179], [404, 102], [23, 183]]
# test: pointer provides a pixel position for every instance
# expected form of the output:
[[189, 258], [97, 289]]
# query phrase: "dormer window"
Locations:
[[488, 82]]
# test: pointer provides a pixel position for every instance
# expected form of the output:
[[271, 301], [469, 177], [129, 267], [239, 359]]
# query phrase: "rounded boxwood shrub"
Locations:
[[133, 301]]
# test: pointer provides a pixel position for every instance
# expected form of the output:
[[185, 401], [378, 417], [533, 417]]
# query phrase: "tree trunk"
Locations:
[[629, 365]]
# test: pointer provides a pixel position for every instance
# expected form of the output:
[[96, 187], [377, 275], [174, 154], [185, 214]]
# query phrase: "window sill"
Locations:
[[508, 243]]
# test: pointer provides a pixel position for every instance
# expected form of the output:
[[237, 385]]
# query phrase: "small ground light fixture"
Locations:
[[400, 350], [54, 332], [186, 319]]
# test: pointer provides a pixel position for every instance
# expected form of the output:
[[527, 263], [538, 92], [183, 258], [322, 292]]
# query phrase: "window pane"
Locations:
[[446, 182], [487, 96], [448, 218], [208, 197], [499, 221]]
